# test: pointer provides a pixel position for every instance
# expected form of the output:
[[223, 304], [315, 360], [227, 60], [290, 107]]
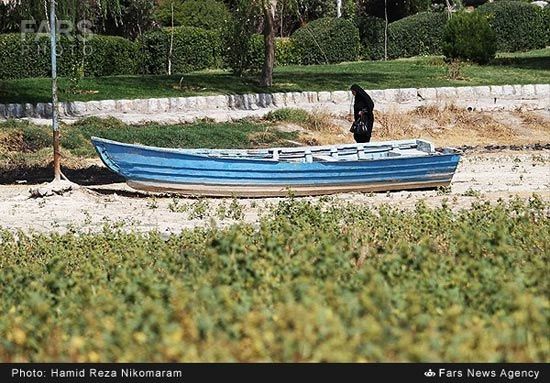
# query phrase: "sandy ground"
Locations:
[[486, 176]]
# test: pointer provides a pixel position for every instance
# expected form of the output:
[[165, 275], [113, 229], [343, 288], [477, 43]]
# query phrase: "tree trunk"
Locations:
[[171, 52], [269, 43], [282, 17], [55, 110]]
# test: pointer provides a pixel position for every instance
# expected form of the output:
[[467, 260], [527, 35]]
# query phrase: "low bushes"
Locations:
[[110, 55], [252, 59], [194, 49], [518, 26], [28, 55], [546, 21], [24, 56], [327, 40], [468, 36], [297, 116], [285, 52], [322, 281], [420, 34], [371, 32]]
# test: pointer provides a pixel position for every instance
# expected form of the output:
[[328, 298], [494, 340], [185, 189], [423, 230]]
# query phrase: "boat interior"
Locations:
[[309, 154], [328, 153]]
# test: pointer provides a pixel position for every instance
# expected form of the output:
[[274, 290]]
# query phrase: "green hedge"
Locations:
[[371, 32], [23, 56], [194, 49], [111, 56], [519, 26], [546, 21], [327, 40], [468, 36], [29, 56], [420, 34], [285, 52]]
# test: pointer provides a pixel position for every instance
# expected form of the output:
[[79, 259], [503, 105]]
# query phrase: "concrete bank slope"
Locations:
[[235, 107]]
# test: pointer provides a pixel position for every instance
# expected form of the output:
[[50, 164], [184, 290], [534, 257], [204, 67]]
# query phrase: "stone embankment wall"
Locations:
[[231, 107]]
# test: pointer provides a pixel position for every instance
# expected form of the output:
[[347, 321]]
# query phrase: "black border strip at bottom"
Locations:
[[284, 372]]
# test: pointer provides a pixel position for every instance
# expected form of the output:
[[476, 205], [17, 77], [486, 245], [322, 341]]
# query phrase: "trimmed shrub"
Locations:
[[285, 52], [110, 56], [327, 40], [194, 49], [371, 33], [23, 56], [468, 36], [417, 35], [518, 26], [546, 21], [154, 49]]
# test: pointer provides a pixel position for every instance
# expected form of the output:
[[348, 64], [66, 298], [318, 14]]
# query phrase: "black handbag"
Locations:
[[359, 128]]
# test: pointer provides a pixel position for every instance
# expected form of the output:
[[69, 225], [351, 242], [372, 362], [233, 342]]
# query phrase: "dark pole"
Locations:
[[386, 30], [55, 110]]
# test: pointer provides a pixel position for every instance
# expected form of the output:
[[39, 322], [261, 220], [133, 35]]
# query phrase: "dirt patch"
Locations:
[[479, 177]]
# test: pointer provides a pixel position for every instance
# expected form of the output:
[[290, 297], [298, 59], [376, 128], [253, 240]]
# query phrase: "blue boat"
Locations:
[[310, 170]]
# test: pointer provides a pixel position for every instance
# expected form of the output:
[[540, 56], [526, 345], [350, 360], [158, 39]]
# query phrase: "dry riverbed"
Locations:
[[481, 176]]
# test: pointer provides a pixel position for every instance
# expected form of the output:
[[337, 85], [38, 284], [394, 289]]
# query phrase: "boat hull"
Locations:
[[278, 191], [186, 172]]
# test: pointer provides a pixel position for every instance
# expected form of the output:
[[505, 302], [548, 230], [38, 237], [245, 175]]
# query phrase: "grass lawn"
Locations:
[[517, 68]]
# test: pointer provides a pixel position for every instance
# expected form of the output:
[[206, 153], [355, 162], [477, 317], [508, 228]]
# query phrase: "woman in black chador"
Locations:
[[363, 107]]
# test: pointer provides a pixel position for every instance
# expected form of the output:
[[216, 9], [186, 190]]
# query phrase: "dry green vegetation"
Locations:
[[25, 147], [322, 281]]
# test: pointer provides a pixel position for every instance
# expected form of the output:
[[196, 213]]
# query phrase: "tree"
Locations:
[[468, 36], [128, 18], [269, 7], [396, 9], [207, 14], [55, 106], [247, 16]]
